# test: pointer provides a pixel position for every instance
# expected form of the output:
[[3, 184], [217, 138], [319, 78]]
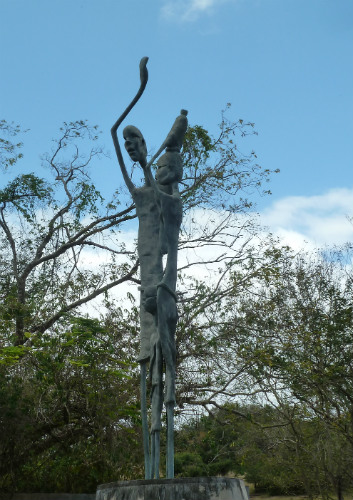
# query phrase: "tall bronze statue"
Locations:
[[159, 210]]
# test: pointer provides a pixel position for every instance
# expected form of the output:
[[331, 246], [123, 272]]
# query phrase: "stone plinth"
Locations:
[[198, 488]]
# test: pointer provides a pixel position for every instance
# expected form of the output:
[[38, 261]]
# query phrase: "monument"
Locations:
[[159, 210]]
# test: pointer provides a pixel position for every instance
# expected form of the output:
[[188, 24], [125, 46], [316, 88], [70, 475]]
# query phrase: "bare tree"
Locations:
[[47, 228]]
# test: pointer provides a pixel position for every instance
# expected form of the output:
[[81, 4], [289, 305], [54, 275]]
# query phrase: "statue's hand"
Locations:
[[143, 70], [145, 166]]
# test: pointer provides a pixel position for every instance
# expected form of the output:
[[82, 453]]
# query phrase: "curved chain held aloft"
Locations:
[[144, 80]]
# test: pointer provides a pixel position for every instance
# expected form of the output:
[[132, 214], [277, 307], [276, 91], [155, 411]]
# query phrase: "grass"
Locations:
[[279, 497]]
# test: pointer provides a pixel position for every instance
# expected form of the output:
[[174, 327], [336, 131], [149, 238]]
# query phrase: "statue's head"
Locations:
[[135, 144], [170, 168]]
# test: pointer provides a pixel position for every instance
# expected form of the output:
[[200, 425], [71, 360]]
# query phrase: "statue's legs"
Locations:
[[167, 319], [155, 447], [169, 404], [170, 440], [145, 433], [156, 368]]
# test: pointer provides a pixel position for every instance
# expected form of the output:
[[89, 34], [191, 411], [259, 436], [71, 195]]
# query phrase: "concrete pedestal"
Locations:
[[189, 488]]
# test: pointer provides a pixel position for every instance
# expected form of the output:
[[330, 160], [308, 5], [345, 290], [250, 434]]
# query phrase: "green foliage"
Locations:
[[295, 334], [25, 194], [276, 329], [278, 458], [68, 405], [216, 173], [306, 318], [189, 464], [211, 445], [9, 150]]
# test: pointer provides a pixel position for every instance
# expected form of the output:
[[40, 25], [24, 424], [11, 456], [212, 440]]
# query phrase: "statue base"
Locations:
[[189, 488]]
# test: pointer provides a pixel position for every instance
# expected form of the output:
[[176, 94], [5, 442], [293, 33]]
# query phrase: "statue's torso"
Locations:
[[148, 235]]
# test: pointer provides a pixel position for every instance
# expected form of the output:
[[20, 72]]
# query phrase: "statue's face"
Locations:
[[165, 173], [135, 146]]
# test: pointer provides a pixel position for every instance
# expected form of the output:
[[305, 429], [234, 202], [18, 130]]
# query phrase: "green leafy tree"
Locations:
[[67, 383], [297, 330], [69, 409], [276, 331], [46, 226]]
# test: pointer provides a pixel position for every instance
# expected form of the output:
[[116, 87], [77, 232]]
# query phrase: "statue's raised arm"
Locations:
[[131, 133]]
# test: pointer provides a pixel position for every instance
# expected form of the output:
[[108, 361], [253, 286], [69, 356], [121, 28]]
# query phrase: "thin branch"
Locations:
[[69, 307]]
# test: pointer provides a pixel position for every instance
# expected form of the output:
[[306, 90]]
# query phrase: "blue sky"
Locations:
[[284, 64]]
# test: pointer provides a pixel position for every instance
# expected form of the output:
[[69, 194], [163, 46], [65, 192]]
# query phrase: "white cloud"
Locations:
[[300, 222], [318, 220], [188, 10]]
